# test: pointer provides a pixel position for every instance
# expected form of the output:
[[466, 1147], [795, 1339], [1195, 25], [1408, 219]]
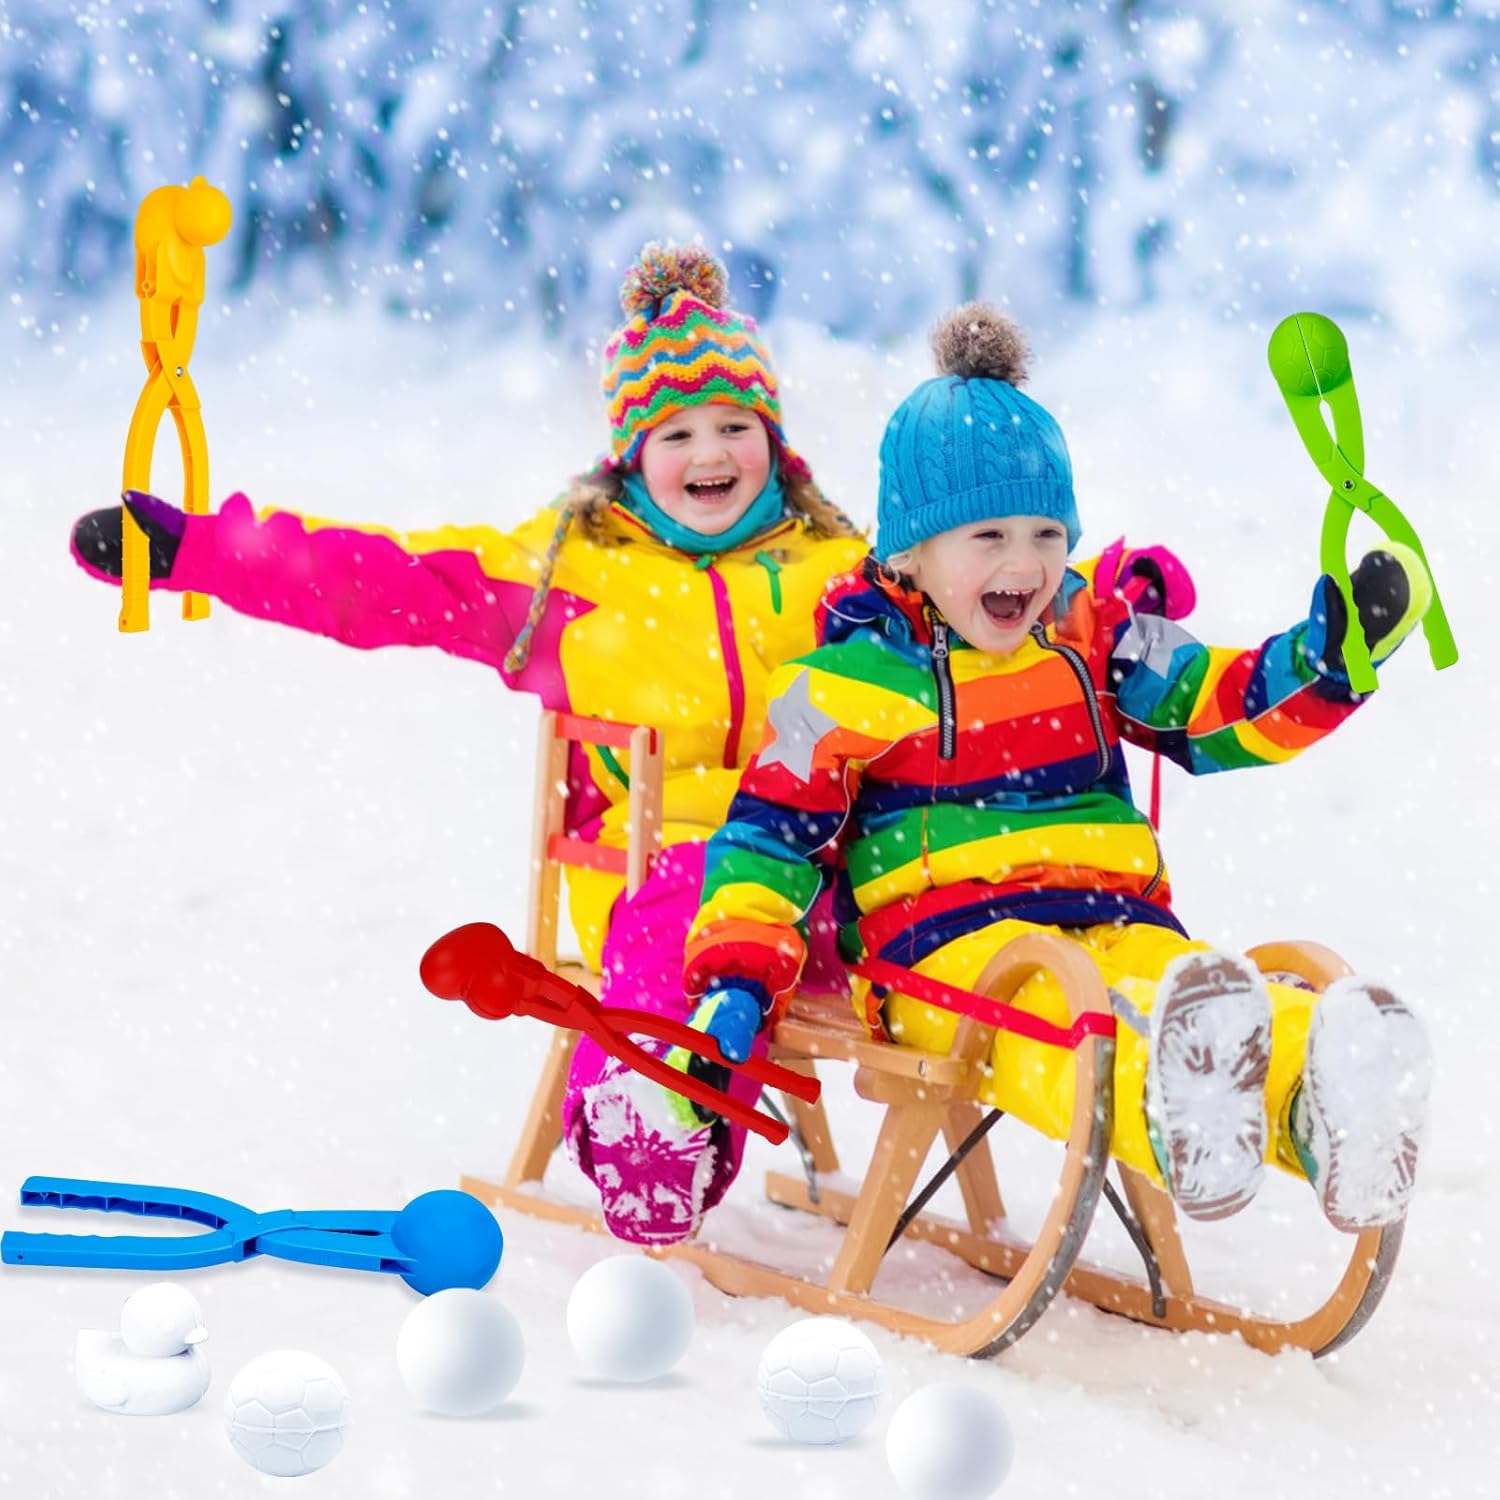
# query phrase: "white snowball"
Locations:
[[630, 1318], [287, 1413], [949, 1441], [820, 1381], [160, 1320], [460, 1352]]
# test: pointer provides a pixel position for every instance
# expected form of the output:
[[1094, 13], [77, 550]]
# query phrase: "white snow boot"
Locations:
[[1358, 1119], [1210, 1051]]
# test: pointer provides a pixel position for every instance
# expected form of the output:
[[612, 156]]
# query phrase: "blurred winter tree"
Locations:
[[858, 164]]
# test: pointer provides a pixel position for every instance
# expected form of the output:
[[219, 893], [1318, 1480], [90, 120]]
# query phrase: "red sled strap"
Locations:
[[889, 976]]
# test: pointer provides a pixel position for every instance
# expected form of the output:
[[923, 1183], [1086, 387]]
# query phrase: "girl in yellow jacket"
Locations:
[[663, 588]]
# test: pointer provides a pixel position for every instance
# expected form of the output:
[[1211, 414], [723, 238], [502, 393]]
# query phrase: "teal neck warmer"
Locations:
[[764, 512]]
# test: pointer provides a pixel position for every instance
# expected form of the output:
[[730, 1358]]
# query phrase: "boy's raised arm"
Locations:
[[1214, 708]]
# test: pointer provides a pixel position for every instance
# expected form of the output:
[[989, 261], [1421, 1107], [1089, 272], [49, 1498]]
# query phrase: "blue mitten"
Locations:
[[732, 1017], [732, 1013]]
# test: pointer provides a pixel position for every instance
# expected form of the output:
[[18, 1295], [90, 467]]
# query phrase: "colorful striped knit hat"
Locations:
[[681, 347]]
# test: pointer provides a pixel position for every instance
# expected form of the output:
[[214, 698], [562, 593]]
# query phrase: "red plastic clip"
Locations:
[[476, 963]]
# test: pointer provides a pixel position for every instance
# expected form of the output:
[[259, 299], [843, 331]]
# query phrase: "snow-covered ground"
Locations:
[[223, 848]]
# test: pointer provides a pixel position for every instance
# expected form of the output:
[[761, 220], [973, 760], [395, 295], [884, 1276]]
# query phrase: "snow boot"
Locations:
[[1210, 1051], [653, 1171], [1358, 1119]]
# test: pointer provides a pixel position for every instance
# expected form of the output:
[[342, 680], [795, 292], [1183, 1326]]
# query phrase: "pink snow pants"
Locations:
[[643, 953]]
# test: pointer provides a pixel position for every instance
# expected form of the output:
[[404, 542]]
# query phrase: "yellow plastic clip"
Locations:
[[172, 226]]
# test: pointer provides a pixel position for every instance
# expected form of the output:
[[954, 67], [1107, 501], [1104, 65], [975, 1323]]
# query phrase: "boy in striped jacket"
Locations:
[[950, 759]]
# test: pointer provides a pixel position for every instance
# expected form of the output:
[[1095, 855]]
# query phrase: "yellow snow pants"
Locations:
[[1034, 1082]]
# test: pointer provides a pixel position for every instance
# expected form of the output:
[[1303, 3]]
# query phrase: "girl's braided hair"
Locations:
[[588, 499]]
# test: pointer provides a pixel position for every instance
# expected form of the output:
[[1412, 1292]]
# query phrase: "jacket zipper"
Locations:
[[943, 674], [734, 679], [1081, 672], [1161, 864], [773, 570]]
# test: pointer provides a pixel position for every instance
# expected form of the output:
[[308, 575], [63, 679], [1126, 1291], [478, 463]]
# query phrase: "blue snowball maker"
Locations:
[[453, 1238], [440, 1240]]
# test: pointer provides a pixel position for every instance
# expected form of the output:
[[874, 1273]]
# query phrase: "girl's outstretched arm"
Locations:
[[464, 590]]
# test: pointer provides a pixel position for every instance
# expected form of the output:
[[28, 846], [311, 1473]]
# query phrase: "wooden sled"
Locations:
[[925, 1095]]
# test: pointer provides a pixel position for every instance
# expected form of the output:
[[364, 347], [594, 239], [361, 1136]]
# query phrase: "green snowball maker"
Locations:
[[1309, 358]]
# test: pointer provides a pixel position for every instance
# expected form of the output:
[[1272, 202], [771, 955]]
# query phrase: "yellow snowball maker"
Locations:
[[172, 226]]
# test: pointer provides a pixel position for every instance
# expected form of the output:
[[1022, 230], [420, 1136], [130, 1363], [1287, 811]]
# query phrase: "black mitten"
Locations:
[[1392, 591], [97, 543]]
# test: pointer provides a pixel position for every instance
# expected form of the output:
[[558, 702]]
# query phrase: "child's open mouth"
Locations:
[[710, 489], [1006, 606]]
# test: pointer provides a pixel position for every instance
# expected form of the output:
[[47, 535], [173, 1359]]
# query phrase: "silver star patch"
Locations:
[[799, 725]]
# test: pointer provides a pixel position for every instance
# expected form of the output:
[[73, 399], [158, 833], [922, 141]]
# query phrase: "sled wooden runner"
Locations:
[[984, 1244], [925, 1095]]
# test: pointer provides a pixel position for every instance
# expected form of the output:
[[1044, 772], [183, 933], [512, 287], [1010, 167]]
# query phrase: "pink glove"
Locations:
[[1153, 579]]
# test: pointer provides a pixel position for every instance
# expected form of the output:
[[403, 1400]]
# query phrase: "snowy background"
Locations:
[[224, 847], [862, 165]]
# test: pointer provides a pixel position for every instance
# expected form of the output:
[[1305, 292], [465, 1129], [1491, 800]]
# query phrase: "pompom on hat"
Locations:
[[680, 347], [968, 446]]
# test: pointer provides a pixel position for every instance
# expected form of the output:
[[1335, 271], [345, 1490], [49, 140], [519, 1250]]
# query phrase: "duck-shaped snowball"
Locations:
[[161, 1319], [155, 1364]]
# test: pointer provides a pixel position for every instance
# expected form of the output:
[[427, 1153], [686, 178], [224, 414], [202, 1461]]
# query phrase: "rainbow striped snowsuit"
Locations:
[[962, 797]]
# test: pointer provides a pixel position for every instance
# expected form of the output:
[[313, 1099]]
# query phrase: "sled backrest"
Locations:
[[552, 849]]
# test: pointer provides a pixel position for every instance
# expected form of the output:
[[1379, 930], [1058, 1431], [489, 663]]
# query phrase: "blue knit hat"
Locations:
[[968, 446]]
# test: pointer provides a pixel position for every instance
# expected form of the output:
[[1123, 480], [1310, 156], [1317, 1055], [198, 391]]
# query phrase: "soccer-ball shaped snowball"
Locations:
[[820, 1381], [949, 1441], [287, 1413]]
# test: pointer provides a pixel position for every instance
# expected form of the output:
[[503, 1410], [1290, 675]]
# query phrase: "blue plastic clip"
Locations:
[[440, 1239]]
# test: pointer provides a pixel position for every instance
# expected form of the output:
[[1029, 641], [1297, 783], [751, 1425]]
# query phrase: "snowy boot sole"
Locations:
[[1206, 1082], [652, 1173], [1364, 1088]]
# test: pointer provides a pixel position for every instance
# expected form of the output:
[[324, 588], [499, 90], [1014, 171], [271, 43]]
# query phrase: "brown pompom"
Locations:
[[978, 342], [663, 269]]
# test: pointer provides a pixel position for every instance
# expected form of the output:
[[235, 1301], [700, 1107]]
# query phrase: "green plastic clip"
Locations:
[[1309, 359]]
